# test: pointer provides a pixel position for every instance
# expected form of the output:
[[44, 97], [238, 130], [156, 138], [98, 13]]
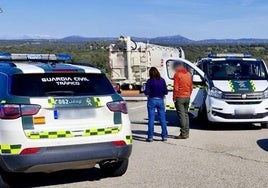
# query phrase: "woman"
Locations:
[[156, 89]]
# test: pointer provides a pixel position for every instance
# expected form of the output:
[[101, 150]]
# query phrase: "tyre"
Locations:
[[203, 118], [114, 169], [3, 183], [202, 114], [264, 125]]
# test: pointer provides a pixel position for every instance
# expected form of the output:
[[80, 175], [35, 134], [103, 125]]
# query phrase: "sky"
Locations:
[[194, 19]]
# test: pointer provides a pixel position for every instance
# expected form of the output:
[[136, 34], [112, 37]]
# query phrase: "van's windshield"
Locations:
[[234, 69], [65, 84]]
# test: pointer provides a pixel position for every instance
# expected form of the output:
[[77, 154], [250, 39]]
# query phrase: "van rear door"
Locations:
[[199, 91]]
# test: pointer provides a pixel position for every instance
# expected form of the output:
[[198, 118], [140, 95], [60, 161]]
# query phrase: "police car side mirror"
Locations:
[[197, 79]]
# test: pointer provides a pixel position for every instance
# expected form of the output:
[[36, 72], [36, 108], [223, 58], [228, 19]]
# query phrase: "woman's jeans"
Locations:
[[152, 104]]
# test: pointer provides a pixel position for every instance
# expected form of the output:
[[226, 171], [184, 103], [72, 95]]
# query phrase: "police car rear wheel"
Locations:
[[114, 169], [3, 183]]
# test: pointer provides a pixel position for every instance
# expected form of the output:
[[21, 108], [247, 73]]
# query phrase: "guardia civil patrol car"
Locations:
[[56, 115], [227, 88]]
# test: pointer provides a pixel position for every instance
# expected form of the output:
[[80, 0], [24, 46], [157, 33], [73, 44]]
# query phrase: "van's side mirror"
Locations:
[[197, 79]]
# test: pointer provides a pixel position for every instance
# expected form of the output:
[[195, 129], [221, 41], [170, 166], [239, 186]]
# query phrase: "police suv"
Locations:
[[227, 88], [56, 115]]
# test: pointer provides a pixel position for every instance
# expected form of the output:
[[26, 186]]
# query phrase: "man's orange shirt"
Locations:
[[183, 84]]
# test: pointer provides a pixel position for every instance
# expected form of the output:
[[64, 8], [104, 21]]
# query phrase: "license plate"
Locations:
[[244, 111], [81, 113]]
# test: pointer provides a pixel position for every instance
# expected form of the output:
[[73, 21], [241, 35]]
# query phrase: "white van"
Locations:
[[227, 88]]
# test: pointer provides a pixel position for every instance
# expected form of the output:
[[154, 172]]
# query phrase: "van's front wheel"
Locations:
[[114, 169]]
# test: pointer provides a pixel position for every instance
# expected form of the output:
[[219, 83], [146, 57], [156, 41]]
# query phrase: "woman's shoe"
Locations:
[[164, 139]]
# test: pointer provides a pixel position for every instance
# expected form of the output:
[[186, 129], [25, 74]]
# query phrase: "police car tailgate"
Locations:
[[61, 117], [70, 105]]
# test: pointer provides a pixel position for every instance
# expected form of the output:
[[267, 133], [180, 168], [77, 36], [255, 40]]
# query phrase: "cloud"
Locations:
[[28, 36]]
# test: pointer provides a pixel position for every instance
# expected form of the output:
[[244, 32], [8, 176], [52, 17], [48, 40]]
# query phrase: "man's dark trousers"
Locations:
[[182, 106]]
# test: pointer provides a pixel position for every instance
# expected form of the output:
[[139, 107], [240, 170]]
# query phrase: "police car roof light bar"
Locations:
[[35, 57], [229, 55], [5, 56]]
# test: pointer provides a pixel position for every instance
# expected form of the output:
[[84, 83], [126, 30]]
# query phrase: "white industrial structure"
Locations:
[[130, 61]]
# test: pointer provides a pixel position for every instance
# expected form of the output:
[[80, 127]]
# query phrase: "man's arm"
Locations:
[[191, 83]]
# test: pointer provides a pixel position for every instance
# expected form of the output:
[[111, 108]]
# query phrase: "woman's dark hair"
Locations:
[[154, 73]]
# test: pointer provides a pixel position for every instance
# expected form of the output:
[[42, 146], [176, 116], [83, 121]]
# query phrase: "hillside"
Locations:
[[167, 40]]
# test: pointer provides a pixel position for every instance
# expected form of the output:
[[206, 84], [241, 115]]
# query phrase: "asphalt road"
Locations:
[[227, 156]]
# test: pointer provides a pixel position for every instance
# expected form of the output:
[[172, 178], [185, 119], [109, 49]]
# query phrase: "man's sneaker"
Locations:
[[181, 137], [149, 140]]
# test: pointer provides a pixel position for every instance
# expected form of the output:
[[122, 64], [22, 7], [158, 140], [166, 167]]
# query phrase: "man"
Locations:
[[183, 86]]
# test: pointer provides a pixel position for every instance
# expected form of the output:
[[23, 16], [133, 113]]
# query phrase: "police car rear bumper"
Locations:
[[64, 157]]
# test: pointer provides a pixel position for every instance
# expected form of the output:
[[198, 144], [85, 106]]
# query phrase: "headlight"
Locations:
[[215, 92], [265, 93]]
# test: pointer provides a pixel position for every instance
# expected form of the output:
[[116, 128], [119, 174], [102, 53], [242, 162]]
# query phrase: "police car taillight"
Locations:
[[13, 111], [29, 151], [118, 106], [119, 143]]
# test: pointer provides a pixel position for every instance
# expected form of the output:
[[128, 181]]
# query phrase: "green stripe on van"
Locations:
[[242, 85]]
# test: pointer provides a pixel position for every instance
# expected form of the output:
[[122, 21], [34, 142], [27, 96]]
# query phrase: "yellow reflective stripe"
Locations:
[[51, 102], [48, 134], [104, 131], [170, 107], [97, 101], [3, 101], [129, 139], [194, 108], [231, 85], [253, 86], [199, 87], [170, 86], [68, 134], [10, 149]]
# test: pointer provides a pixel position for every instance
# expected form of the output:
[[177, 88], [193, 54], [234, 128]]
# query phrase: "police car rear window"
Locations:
[[65, 84]]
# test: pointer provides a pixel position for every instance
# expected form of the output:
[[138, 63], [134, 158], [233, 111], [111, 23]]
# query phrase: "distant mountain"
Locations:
[[159, 40], [233, 41], [178, 39], [167, 40], [76, 38]]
